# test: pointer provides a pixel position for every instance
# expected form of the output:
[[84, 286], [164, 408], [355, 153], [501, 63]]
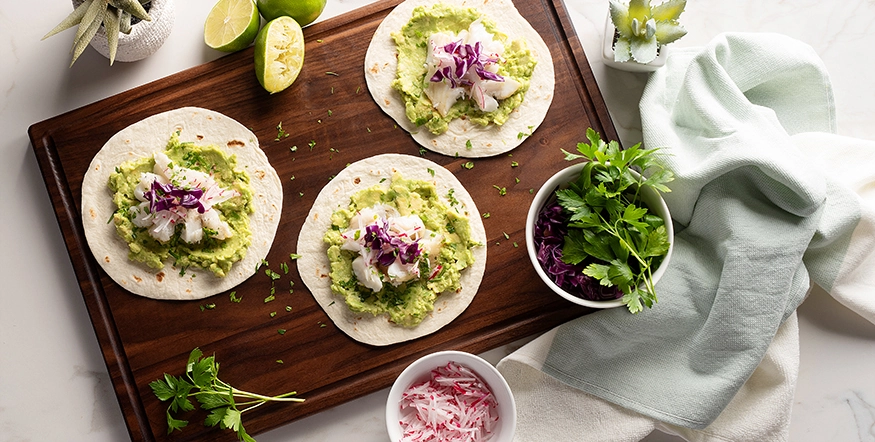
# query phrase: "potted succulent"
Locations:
[[636, 34], [124, 30], [599, 233]]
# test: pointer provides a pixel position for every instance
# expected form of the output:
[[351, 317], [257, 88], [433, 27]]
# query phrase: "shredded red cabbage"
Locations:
[[465, 57], [549, 236], [167, 196], [389, 247]]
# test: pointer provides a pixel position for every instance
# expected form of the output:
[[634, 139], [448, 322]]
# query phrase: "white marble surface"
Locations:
[[53, 383]]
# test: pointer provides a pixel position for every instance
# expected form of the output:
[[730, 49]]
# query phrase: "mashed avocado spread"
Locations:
[[206, 250], [435, 267], [516, 63]]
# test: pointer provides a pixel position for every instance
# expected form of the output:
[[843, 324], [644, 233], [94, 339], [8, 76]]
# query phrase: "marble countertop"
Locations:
[[53, 382]]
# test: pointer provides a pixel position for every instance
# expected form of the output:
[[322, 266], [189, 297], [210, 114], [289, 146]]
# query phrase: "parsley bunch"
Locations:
[[609, 229], [201, 381]]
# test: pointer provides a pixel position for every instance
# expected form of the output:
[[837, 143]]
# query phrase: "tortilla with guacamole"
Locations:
[[465, 78], [181, 205], [392, 249]]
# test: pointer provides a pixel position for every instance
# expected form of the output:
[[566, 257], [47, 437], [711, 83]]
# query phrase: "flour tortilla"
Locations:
[[142, 139], [381, 65], [314, 266]]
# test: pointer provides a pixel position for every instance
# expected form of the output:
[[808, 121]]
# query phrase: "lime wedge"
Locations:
[[231, 25], [279, 54]]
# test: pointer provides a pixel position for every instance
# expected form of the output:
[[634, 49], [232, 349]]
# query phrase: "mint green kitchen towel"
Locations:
[[763, 206]]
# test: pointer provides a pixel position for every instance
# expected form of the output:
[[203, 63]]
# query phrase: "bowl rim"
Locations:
[[420, 369], [546, 191]]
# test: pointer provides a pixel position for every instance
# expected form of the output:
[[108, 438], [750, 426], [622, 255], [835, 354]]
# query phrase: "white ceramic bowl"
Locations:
[[420, 370], [650, 197]]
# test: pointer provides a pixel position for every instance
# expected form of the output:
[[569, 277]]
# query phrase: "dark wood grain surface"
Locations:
[[142, 338]]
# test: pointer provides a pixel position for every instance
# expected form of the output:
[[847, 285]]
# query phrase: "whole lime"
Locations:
[[303, 11]]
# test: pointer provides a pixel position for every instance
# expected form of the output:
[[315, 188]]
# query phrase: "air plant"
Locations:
[[116, 16], [642, 29]]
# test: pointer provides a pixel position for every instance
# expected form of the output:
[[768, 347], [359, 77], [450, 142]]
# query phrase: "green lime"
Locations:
[[231, 25], [279, 54], [303, 11]]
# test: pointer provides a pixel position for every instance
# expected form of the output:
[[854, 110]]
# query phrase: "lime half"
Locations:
[[279, 54], [231, 25]]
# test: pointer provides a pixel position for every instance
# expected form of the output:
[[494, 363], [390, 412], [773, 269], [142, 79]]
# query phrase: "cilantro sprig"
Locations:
[[610, 229], [201, 381]]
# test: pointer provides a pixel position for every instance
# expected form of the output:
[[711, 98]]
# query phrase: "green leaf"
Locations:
[[599, 245], [669, 32], [71, 20], [574, 248], [620, 251], [611, 149], [211, 401], [657, 243], [633, 216], [571, 156], [85, 34], [595, 196], [232, 419], [193, 358], [599, 272], [620, 18], [644, 50], [571, 202], [658, 179], [133, 7], [632, 302], [639, 9], [668, 10], [174, 424], [124, 22], [112, 23], [590, 222], [621, 275], [161, 390], [216, 415]]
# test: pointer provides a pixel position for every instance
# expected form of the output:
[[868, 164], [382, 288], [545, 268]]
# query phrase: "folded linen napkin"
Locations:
[[767, 200]]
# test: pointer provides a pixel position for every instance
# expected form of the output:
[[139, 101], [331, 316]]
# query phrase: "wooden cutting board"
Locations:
[[329, 105]]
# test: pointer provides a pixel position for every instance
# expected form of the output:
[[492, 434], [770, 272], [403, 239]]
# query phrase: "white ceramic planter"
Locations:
[[631, 65], [145, 38]]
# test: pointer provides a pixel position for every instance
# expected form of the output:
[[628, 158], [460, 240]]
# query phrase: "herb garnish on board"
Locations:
[[201, 381], [610, 230]]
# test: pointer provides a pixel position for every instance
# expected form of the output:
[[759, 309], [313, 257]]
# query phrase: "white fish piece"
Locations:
[[367, 275], [210, 219], [191, 179], [399, 273], [164, 225], [141, 215], [500, 89], [442, 96], [193, 230], [162, 165], [145, 184]]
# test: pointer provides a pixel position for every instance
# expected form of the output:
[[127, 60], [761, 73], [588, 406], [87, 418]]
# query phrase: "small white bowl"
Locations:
[[650, 197], [420, 370]]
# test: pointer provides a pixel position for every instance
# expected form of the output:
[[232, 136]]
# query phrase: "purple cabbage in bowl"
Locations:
[[549, 236]]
